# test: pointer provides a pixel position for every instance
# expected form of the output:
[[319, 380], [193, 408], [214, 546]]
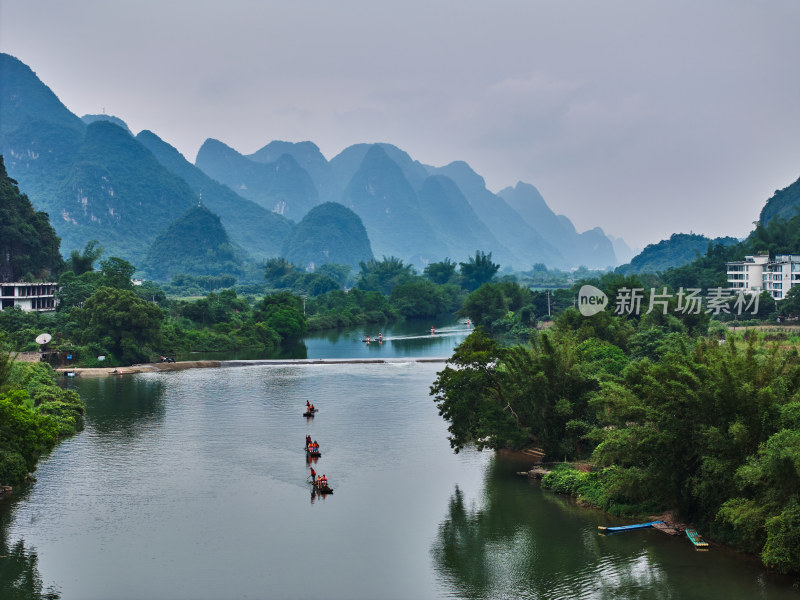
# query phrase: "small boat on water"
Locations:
[[695, 538], [308, 413], [313, 453], [627, 527], [323, 489]]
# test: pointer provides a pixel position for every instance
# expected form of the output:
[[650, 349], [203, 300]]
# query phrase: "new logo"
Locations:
[[591, 300]]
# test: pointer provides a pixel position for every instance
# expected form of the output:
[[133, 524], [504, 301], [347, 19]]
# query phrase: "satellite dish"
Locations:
[[43, 338]]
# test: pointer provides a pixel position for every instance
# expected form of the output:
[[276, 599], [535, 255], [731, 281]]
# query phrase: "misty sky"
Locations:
[[645, 118]]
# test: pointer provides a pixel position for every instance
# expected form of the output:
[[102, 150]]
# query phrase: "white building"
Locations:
[[781, 274], [748, 274], [39, 297]]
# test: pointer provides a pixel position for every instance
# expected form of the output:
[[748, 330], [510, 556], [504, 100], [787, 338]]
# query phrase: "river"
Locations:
[[193, 484]]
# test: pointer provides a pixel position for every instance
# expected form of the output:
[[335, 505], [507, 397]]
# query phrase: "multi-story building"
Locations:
[[38, 297], [781, 274], [748, 274]]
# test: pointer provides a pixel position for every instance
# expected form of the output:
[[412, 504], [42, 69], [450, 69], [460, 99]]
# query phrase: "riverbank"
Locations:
[[206, 364]]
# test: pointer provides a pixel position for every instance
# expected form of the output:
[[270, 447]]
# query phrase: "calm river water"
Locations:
[[193, 484]]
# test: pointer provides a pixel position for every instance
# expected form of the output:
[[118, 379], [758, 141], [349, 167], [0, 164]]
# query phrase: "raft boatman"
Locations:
[[313, 476]]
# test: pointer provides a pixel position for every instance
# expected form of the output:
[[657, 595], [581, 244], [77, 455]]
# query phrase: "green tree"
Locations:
[[280, 273], [282, 312], [790, 305], [28, 243], [338, 272], [485, 305], [83, 262], [420, 298], [384, 275], [117, 273], [478, 270], [441, 272], [120, 316]]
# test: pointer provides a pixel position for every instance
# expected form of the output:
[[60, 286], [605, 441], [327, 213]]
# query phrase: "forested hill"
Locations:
[[29, 247], [784, 203], [678, 250], [329, 233], [262, 232], [196, 243]]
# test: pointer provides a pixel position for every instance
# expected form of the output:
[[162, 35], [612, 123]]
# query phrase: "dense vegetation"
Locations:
[[196, 244], [28, 244], [678, 250], [34, 414], [669, 418], [328, 233]]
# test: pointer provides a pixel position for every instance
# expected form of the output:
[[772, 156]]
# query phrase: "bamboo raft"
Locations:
[[695, 538]]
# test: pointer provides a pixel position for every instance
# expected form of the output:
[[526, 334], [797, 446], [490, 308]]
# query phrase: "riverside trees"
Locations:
[[670, 421]]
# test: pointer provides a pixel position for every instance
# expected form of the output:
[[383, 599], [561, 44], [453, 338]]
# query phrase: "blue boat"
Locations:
[[627, 527]]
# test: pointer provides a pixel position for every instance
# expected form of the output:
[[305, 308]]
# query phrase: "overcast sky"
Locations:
[[645, 118]]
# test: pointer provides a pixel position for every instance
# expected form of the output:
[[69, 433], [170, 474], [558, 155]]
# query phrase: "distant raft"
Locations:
[[627, 527], [695, 538]]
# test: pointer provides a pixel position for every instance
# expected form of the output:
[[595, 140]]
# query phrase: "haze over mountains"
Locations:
[[98, 181]]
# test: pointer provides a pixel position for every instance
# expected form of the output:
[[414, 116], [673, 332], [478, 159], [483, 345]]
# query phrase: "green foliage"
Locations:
[[508, 397], [117, 273], [441, 272], [478, 270], [790, 305], [83, 262], [340, 309], [670, 421], [486, 305], [678, 250], [127, 321], [338, 272], [282, 312], [197, 244], [784, 204], [28, 243], [329, 232], [384, 275], [422, 298], [34, 414]]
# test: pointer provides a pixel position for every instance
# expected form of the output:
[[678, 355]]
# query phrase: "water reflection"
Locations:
[[122, 405], [521, 542], [19, 573]]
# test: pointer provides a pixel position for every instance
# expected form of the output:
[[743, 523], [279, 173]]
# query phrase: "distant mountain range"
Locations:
[[98, 181]]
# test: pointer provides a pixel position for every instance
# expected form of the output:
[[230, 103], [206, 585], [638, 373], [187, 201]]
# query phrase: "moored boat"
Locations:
[[627, 527], [695, 538]]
